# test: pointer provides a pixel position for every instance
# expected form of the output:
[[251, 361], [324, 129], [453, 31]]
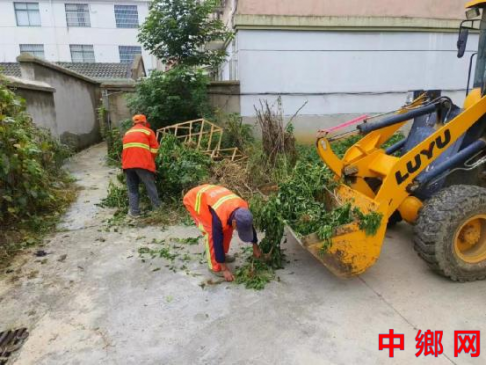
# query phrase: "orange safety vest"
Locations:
[[140, 148], [223, 201]]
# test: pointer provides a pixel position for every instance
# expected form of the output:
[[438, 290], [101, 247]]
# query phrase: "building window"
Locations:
[[128, 53], [82, 53], [27, 14], [77, 15], [126, 16], [36, 50]]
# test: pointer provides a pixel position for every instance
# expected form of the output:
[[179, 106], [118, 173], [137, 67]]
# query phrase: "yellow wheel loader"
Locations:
[[431, 179]]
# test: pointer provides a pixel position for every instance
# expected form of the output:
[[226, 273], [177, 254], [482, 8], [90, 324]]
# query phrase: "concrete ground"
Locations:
[[92, 300]]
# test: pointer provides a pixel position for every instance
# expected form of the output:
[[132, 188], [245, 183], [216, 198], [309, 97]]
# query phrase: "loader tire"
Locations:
[[450, 234]]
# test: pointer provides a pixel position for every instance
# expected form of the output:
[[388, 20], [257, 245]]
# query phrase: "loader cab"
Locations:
[[475, 22]]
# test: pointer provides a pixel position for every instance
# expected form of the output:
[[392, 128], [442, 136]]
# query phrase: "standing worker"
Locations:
[[217, 212], [140, 148]]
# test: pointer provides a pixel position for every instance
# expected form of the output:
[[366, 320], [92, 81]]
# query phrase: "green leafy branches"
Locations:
[[171, 97], [31, 181], [178, 32], [370, 223], [34, 190]]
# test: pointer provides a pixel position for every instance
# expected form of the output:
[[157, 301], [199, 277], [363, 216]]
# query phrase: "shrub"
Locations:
[[171, 97], [236, 133], [179, 168], [114, 141], [31, 180]]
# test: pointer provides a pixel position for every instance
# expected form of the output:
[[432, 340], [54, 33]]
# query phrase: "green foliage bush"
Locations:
[[172, 97], [179, 168], [31, 181], [177, 32], [236, 133], [114, 141]]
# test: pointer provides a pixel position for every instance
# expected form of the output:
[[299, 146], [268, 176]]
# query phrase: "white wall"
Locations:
[[56, 36], [342, 74]]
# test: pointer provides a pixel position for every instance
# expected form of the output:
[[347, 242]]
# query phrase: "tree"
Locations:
[[170, 97], [178, 31]]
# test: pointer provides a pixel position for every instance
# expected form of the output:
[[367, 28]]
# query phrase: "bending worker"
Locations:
[[140, 148], [218, 212]]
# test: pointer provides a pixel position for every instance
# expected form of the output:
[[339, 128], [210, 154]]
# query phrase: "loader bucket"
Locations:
[[351, 252]]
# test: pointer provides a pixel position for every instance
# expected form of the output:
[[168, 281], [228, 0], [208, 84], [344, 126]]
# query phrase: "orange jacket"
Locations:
[[201, 200], [140, 148], [212, 207]]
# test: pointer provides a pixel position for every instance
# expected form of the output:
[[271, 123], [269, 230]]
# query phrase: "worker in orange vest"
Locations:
[[218, 212], [140, 148]]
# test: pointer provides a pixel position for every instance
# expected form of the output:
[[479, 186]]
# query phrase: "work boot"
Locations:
[[229, 259]]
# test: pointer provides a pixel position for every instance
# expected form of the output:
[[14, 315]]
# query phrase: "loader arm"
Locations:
[[357, 160], [398, 184]]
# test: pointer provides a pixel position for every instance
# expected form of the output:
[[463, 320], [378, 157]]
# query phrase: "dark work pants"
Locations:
[[134, 177]]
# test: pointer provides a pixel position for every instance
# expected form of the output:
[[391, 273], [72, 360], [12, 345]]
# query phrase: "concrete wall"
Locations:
[[225, 95], [76, 100], [342, 75], [434, 9], [40, 102], [115, 101], [56, 36]]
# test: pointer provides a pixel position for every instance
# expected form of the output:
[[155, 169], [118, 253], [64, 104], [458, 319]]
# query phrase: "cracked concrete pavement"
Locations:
[[94, 301]]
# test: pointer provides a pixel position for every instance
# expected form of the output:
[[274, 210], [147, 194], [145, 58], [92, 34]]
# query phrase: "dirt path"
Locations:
[[93, 301]]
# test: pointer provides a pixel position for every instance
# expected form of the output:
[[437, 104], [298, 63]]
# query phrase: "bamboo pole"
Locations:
[[220, 139], [210, 138], [200, 134]]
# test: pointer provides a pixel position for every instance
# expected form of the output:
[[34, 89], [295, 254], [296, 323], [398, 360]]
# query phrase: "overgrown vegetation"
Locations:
[[171, 97], [114, 141], [180, 168], [236, 133], [34, 190]]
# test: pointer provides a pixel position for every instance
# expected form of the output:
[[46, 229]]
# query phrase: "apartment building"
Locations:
[[73, 31], [344, 58]]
